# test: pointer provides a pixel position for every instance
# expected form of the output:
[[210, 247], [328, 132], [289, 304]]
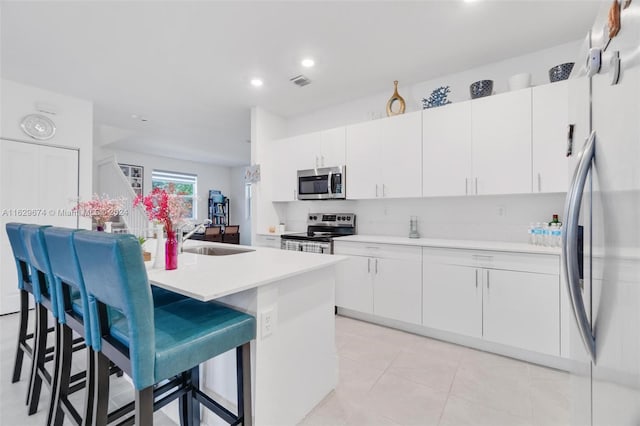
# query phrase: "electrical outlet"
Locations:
[[268, 320]]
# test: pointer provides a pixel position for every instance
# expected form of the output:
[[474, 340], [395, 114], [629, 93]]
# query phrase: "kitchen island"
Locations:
[[291, 295]]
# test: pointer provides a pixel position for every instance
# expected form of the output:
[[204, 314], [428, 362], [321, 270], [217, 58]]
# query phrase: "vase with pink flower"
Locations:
[[168, 208], [100, 208]]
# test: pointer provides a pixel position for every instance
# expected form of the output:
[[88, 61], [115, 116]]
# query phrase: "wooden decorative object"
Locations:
[[146, 256], [614, 19], [395, 97]]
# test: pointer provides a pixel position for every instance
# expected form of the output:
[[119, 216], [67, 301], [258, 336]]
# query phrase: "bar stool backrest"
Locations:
[[19, 254], [66, 273], [115, 277], [41, 275]]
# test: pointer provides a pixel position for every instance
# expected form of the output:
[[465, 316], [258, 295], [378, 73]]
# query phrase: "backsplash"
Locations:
[[493, 218]]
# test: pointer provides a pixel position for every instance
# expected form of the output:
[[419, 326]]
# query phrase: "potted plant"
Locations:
[[146, 255]]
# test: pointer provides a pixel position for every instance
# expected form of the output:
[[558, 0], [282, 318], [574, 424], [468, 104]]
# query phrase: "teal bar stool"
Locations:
[[157, 346], [72, 303], [25, 288], [45, 298]]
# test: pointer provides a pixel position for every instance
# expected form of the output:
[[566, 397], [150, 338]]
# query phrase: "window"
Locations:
[[185, 184]]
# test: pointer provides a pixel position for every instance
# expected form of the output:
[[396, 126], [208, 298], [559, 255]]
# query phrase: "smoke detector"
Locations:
[[300, 80]]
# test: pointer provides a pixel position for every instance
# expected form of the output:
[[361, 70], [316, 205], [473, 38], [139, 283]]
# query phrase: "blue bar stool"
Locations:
[[45, 298], [153, 344], [72, 304], [25, 288]]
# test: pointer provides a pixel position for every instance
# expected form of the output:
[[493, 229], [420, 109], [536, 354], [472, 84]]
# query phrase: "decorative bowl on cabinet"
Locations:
[[481, 88], [560, 72]]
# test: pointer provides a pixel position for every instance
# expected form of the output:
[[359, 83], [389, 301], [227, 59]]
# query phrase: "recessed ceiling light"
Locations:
[[256, 82], [308, 62], [470, 1]]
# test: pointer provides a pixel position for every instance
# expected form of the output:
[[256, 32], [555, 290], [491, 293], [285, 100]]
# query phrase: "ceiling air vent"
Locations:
[[300, 80]]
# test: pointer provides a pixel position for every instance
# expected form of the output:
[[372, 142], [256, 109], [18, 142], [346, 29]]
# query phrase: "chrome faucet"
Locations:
[[200, 227]]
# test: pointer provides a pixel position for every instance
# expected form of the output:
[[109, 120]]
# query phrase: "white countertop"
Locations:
[[459, 244], [206, 278]]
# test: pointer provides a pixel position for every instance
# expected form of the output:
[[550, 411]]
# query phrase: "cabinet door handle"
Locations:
[[488, 285], [383, 190], [376, 266], [368, 265], [476, 186], [466, 186], [476, 278], [539, 183], [376, 189]]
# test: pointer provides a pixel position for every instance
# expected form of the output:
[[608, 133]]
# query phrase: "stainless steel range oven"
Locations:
[[322, 228]]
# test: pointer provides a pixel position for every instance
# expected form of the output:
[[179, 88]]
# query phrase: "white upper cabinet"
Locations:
[[501, 134], [446, 150], [332, 148], [308, 151], [550, 130], [384, 158], [283, 163]]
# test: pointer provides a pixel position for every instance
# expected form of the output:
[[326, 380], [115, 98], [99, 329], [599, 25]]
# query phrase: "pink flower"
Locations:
[[101, 209], [167, 207]]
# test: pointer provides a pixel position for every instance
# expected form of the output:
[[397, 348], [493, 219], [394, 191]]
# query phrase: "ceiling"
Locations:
[[185, 66]]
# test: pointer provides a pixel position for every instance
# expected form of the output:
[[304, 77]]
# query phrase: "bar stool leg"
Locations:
[[89, 399], [101, 389], [243, 371], [144, 407], [189, 407], [55, 380], [37, 362], [22, 335]]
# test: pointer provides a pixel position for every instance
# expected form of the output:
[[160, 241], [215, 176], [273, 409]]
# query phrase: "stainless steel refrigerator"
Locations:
[[604, 197]]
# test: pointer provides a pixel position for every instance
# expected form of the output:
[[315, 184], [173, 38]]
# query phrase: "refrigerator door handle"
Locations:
[[570, 268]]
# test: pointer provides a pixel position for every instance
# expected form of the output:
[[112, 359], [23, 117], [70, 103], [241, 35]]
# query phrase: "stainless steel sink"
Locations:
[[215, 251]]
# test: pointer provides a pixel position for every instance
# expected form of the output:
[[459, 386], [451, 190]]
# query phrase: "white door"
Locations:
[[550, 131], [446, 150], [522, 309], [397, 289], [38, 184], [401, 156], [333, 147], [364, 143], [501, 132], [354, 289], [452, 298]]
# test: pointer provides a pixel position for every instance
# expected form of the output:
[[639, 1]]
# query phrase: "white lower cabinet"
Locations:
[[483, 294], [354, 286], [522, 309], [452, 298], [384, 280], [265, 240]]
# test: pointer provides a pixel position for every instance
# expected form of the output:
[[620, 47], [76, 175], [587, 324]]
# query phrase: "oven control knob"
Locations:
[[348, 217]]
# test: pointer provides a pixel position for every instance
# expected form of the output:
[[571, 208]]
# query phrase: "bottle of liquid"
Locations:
[[531, 231], [538, 235], [555, 220], [556, 235], [413, 227]]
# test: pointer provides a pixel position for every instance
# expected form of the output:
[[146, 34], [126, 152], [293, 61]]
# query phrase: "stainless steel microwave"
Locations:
[[325, 183]]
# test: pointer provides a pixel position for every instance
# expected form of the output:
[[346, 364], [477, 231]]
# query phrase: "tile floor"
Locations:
[[387, 377]]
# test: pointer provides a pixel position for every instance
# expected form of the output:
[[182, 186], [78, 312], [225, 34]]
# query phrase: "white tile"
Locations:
[[404, 401], [460, 412], [371, 352], [424, 368]]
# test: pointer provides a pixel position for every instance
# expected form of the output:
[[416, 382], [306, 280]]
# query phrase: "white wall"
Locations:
[[265, 127], [374, 106], [493, 218], [73, 118], [238, 209], [209, 176]]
